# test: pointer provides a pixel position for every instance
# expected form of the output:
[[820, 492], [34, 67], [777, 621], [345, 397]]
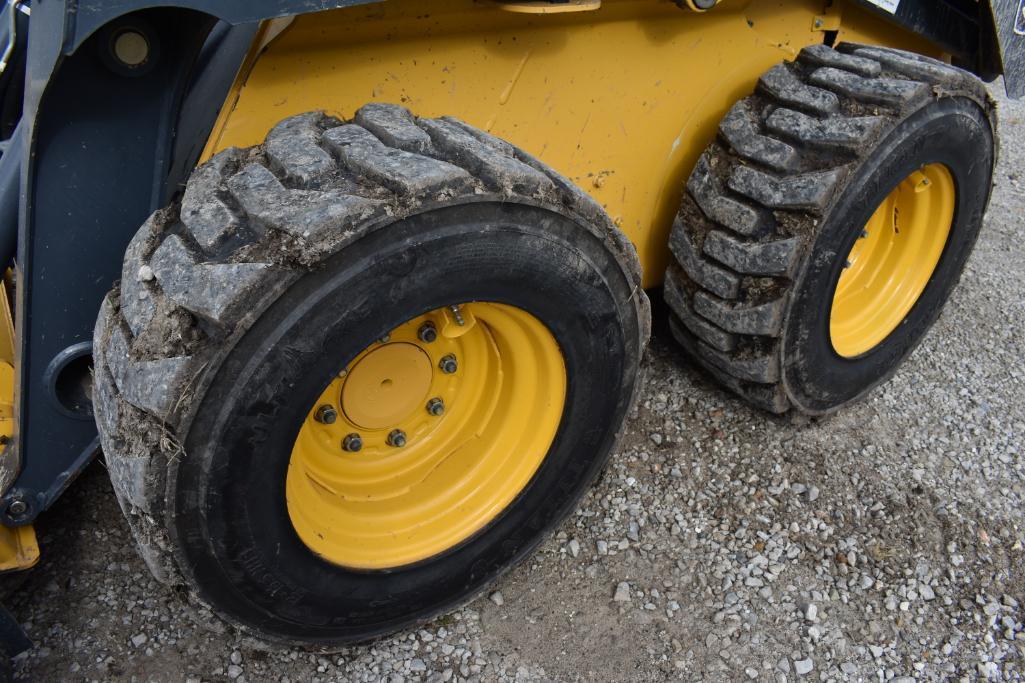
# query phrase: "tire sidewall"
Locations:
[[953, 131], [227, 502]]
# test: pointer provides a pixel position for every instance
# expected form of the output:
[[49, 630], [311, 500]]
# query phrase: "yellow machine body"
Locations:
[[620, 96]]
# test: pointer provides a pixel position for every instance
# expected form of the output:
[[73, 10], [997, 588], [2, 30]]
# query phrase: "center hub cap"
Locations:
[[386, 385]]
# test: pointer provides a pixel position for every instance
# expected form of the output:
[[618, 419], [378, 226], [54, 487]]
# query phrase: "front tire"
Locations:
[[823, 232], [280, 309]]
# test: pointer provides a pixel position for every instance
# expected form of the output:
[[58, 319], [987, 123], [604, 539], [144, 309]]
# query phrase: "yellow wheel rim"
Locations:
[[891, 263], [450, 430]]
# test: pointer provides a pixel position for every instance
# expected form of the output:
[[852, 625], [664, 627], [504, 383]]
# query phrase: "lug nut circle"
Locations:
[[395, 392]]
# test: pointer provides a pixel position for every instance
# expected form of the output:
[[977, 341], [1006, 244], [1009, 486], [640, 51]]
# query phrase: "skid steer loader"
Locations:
[[381, 324]]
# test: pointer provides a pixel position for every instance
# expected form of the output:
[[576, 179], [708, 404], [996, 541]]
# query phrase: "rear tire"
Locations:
[[240, 305], [775, 206]]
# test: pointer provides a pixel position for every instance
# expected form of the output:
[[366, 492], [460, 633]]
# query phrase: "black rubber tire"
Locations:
[[240, 303], [775, 203]]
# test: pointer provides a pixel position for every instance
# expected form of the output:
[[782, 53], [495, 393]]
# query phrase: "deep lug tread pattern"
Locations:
[[322, 220], [805, 191], [679, 303], [401, 172], [917, 67], [252, 222], [889, 92], [823, 55], [761, 369], [293, 147], [754, 209], [131, 474], [768, 397], [842, 133], [710, 276], [394, 126], [706, 190], [203, 211], [740, 128], [497, 144], [151, 385], [215, 291], [757, 258], [786, 88], [753, 319], [500, 172]]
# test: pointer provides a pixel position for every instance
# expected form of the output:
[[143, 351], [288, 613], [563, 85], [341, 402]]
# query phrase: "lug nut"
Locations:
[[397, 438], [352, 443], [448, 364], [326, 415], [427, 332], [17, 507], [436, 407]]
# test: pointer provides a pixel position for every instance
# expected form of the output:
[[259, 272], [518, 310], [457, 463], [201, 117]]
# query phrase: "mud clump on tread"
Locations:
[[136, 447], [180, 336]]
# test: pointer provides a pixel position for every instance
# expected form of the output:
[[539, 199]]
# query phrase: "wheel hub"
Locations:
[[386, 385], [892, 261], [436, 434]]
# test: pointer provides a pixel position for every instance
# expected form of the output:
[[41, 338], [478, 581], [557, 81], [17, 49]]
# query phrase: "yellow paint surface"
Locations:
[[622, 99], [7, 373], [891, 263]]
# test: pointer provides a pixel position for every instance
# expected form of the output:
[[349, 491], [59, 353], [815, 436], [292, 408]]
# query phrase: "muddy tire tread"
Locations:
[[250, 223], [758, 193]]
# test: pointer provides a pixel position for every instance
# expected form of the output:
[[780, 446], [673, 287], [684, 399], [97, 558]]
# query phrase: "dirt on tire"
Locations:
[[249, 224], [762, 192]]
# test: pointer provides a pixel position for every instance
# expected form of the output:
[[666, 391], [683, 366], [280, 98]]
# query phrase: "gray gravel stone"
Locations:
[[622, 593], [803, 666]]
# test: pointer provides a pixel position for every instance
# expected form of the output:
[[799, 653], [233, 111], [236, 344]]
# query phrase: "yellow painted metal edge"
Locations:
[[18, 548], [7, 380], [543, 7], [6, 327]]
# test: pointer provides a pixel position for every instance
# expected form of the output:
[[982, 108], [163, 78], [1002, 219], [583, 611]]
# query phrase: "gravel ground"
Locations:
[[884, 543]]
